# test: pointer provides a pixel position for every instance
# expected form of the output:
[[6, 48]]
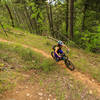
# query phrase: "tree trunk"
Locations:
[[16, 17], [49, 14], [47, 8], [19, 14], [84, 16], [27, 23], [67, 2], [35, 22], [11, 17], [22, 18], [51, 20], [71, 11], [28, 16]]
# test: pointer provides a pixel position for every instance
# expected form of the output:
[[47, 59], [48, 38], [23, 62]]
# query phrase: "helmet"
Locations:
[[60, 42]]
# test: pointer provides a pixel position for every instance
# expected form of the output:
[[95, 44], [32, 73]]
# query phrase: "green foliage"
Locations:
[[71, 43], [35, 19], [59, 14], [63, 28], [37, 15], [90, 41], [98, 29]]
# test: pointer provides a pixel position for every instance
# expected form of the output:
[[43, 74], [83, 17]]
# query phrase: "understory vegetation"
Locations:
[[84, 61], [72, 21], [18, 60]]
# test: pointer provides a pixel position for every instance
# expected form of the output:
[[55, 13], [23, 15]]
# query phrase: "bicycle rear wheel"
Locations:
[[69, 65]]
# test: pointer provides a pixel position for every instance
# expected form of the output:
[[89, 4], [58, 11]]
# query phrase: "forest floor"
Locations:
[[25, 88]]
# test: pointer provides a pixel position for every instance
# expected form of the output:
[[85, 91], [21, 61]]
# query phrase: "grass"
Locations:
[[7, 80], [25, 55], [32, 40], [64, 87], [50, 76], [85, 62], [22, 59]]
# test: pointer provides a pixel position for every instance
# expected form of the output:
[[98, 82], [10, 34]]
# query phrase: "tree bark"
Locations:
[[16, 17], [28, 16], [84, 16], [47, 8], [27, 23], [19, 14], [35, 22], [71, 11], [11, 17], [51, 20], [49, 14], [67, 2]]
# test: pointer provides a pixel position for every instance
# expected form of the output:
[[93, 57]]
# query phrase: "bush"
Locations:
[[88, 41], [91, 41]]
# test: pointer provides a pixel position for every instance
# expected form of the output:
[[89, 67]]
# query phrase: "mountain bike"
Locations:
[[65, 58]]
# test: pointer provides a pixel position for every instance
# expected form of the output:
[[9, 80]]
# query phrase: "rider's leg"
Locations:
[[56, 57], [61, 52]]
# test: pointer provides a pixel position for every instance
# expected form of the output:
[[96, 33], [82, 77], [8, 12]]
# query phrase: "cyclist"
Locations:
[[58, 50]]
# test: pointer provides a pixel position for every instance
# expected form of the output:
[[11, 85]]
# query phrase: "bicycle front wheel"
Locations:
[[69, 65]]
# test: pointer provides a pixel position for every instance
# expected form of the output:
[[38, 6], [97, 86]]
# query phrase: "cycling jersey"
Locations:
[[59, 51]]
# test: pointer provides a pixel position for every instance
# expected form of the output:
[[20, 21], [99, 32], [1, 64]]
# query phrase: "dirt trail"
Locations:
[[86, 80], [32, 48]]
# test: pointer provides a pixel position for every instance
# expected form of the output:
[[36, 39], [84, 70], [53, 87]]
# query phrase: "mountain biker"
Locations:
[[58, 50]]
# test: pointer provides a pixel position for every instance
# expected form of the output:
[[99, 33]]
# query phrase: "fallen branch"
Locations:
[[52, 38]]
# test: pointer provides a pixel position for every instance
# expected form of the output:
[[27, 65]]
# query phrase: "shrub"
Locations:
[[90, 41]]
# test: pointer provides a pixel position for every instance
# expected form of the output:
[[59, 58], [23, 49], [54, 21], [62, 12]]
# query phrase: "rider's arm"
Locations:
[[56, 49], [66, 47]]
